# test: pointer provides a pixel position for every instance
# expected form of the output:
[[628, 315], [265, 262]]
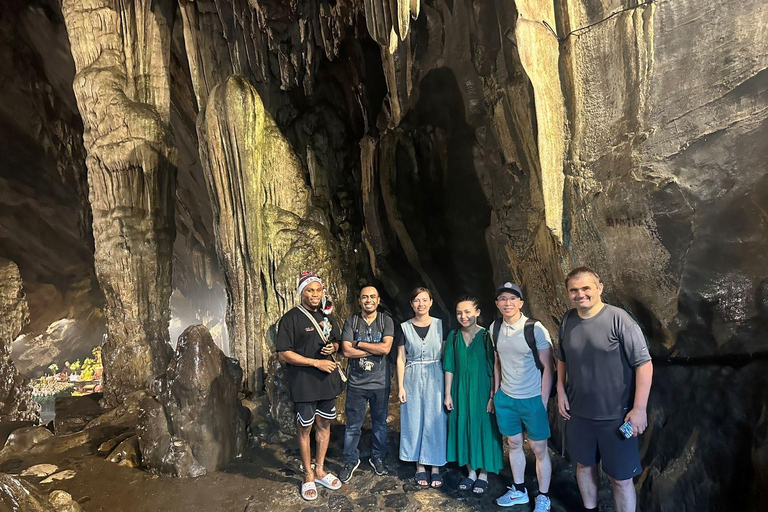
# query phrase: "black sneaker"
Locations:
[[349, 469], [378, 466]]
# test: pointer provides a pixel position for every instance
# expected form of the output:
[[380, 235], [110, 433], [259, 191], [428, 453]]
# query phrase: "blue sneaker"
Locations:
[[512, 498], [542, 504]]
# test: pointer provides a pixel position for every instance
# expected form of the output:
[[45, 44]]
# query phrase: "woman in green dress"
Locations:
[[473, 437]]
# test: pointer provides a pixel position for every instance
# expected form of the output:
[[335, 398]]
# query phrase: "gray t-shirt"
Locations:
[[370, 372], [519, 376], [600, 354]]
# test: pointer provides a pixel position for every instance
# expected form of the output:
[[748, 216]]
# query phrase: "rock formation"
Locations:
[[16, 403], [122, 86], [196, 424], [266, 228], [19, 496], [448, 143]]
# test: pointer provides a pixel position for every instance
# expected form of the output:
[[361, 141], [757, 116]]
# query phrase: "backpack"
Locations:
[[530, 339], [392, 356]]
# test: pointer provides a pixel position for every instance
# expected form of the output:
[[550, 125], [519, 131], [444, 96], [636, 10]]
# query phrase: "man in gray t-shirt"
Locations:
[[604, 357], [366, 340]]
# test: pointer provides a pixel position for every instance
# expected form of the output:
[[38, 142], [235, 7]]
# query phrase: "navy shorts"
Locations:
[[591, 441], [306, 411]]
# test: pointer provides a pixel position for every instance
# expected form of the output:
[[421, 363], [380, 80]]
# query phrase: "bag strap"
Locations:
[[325, 340], [317, 326], [530, 339], [354, 323], [561, 331], [496, 328]]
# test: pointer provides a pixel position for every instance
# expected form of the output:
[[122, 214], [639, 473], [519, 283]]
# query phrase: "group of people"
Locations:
[[460, 393]]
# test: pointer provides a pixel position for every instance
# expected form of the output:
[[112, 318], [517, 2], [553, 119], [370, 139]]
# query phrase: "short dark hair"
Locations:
[[416, 291], [367, 286], [579, 272]]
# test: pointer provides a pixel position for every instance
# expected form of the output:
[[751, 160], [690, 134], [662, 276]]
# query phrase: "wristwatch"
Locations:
[[356, 344]]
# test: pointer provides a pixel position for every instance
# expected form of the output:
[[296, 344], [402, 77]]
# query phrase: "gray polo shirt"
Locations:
[[519, 376], [600, 355]]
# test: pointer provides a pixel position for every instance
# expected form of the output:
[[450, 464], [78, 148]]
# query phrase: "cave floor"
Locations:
[[266, 478]]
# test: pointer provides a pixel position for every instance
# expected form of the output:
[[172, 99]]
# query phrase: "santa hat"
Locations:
[[310, 277]]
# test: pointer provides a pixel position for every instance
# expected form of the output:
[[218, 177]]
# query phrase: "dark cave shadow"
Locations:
[[439, 195]]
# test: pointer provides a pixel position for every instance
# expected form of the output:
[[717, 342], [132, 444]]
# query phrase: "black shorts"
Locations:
[[591, 441], [306, 411]]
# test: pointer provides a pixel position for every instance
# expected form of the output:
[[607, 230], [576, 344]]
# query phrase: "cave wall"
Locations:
[[45, 218], [458, 144]]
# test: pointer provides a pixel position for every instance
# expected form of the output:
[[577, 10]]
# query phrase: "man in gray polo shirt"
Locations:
[[521, 399], [604, 355], [366, 341]]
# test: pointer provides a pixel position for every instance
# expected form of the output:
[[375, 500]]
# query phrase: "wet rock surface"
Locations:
[[73, 413], [196, 424], [19, 496], [16, 403], [267, 478]]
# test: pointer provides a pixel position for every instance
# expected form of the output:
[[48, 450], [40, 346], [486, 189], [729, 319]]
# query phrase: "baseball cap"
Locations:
[[509, 287]]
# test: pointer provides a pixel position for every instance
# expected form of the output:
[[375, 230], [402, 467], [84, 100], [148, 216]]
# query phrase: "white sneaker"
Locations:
[[542, 504], [512, 498]]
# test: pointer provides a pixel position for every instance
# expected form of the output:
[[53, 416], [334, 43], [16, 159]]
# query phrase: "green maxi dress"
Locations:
[[473, 436]]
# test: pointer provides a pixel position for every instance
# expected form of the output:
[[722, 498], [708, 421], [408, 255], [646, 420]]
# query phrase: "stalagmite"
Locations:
[[121, 52], [266, 229]]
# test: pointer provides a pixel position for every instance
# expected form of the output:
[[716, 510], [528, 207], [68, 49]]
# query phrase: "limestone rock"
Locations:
[[107, 447], [74, 412], [197, 423], [154, 436], [40, 470], [24, 439], [200, 399], [62, 502], [16, 403], [18, 496], [266, 230], [61, 475], [160, 451], [126, 453], [122, 88]]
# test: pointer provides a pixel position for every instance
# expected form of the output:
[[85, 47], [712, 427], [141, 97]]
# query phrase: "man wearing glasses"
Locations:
[[366, 341], [523, 392]]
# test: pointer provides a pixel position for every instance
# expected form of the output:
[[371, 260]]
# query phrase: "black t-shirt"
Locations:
[[297, 333]]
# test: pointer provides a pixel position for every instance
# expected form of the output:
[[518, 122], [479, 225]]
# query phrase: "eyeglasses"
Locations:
[[507, 299]]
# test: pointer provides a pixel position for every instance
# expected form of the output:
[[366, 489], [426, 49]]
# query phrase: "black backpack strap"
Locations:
[[496, 328], [354, 324], [530, 339], [561, 331]]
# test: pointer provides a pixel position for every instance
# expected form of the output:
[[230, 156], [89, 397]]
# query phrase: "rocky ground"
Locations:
[[267, 477]]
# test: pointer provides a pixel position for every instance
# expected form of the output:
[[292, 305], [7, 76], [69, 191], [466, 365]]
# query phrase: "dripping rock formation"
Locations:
[[16, 403], [181, 162]]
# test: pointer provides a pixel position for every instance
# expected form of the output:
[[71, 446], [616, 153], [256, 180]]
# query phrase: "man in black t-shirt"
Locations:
[[307, 338], [366, 341]]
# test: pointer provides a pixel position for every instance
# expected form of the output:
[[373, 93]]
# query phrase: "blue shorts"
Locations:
[[514, 414]]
